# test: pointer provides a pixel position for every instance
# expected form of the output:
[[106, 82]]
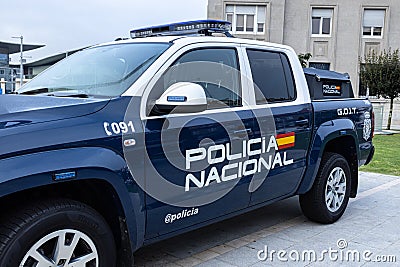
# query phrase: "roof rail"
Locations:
[[206, 27]]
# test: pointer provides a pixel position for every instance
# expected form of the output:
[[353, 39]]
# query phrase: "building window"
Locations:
[[1, 72], [3, 59], [321, 66], [246, 18], [321, 21], [373, 22]]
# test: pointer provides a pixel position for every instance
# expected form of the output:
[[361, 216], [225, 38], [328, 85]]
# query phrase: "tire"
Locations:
[[328, 198], [36, 231]]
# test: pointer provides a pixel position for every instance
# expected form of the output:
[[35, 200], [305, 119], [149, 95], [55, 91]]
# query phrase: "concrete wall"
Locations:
[[346, 46], [382, 108], [17, 83], [275, 17]]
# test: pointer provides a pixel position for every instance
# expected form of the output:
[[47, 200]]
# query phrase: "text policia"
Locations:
[[242, 166]]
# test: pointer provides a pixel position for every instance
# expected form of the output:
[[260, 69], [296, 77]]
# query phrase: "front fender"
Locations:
[[38, 169], [325, 133]]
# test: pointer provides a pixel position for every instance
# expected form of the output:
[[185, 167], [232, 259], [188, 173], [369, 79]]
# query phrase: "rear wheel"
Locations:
[[57, 233], [329, 196]]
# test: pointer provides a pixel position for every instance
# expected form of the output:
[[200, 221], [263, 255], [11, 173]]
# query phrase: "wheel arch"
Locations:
[[337, 136], [101, 180], [346, 146], [96, 193]]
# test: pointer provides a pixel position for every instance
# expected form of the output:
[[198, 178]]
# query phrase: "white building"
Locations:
[[337, 33]]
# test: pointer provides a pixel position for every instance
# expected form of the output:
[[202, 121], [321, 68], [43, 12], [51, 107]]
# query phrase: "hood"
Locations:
[[18, 110]]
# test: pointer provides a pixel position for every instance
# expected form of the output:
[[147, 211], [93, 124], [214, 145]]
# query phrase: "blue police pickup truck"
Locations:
[[130, 142]]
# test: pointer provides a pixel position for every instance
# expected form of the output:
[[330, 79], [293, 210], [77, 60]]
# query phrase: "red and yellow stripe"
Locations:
[[285, 140]]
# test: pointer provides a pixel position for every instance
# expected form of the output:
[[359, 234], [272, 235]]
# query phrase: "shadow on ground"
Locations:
[[197, 241]]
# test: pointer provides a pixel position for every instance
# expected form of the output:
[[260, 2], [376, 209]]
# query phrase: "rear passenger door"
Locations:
[[275, 89]]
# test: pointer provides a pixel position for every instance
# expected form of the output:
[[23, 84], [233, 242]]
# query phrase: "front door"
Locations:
[[192, 170]]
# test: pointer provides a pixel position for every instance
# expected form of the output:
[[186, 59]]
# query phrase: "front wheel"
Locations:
[[329, 195], [56, 233]]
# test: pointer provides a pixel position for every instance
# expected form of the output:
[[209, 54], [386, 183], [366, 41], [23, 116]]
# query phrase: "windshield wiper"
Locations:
[[35, 91], [59, 92], [68, 94]]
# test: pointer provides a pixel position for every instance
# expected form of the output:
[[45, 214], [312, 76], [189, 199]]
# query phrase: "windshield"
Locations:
[[100, 71]]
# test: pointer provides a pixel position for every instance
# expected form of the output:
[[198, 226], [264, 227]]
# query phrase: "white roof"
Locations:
[[197, 39]]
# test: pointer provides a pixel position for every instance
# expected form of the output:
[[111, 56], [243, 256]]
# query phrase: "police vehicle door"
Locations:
[[275, 91], [193, 156]]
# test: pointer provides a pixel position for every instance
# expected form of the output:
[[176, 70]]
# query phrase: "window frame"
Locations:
[[287, 75], [168, 64], [255, 19], [321, 22], [372, 28]]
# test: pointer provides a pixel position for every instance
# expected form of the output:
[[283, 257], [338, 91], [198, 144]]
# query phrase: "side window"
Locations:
[[272, 75], [289, 77], [215, 69]]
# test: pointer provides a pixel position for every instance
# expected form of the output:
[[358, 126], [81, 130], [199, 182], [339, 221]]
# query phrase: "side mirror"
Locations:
[[181, 97]]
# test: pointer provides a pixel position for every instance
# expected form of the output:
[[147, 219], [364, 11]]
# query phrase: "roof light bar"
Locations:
[[185, 28]]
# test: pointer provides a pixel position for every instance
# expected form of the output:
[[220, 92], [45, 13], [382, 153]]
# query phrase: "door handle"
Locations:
[[303, 122], [242, 132]]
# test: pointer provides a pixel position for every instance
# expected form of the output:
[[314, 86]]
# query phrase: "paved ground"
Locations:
[[369, 228]]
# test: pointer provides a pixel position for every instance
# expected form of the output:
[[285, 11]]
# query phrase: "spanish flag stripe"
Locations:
[[285, 140], [286, 146], [285, 135]]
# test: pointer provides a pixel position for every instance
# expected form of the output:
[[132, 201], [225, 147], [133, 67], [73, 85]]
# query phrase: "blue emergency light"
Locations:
[[206, 27]]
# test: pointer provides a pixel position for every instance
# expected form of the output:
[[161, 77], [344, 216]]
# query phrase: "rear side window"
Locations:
[[272, 76]]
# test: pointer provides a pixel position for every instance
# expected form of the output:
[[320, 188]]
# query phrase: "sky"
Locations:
[[67, 25]]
